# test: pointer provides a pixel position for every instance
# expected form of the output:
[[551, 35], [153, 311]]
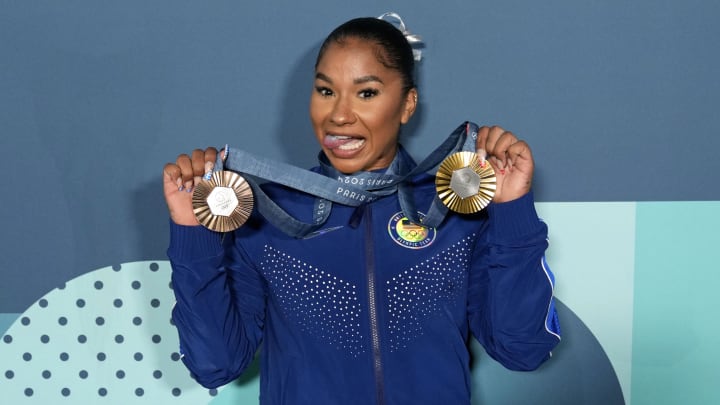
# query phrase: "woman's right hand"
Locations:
[[179, 180]]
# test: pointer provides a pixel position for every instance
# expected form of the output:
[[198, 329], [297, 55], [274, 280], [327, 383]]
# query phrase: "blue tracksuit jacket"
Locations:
[[373, 311]]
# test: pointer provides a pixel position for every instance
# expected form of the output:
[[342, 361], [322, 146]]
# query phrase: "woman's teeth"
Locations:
[[352, 144], [343, 142]]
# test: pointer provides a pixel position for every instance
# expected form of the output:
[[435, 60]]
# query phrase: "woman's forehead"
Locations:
[[354, 54]]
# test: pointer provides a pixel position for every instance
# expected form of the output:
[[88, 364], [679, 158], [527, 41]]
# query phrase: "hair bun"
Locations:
[[414, 40]]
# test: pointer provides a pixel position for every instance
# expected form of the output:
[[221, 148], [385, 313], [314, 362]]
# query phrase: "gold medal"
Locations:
[[222, 202], [463, 184]]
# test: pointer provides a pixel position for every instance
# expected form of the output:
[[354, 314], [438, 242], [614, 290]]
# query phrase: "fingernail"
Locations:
[[482, 155], [498, 163], [179, 184], [208, 170], [188, 186]]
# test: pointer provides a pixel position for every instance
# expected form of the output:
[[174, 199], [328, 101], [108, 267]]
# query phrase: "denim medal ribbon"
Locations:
[[330, 186]]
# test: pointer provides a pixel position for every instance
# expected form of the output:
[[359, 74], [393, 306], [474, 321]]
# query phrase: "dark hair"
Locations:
[[394, 50]]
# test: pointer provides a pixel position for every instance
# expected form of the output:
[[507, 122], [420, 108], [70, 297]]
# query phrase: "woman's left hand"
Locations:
[[512, 160]]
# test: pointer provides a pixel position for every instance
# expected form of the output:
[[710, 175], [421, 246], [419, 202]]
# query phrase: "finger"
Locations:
[[494, 134], [519, 153], [497, 166], [172, 177], [186, 171], [482, 138], [197, 158], [488, 138], [198, 162], [185, 164], [480, 145], [210, 157], [504, 141], [211, 154]]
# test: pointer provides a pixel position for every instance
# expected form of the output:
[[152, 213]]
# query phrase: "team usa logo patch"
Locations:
[[409, 235]]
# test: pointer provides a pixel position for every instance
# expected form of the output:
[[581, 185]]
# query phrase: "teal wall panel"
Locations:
[[592, 254], [676, 329]]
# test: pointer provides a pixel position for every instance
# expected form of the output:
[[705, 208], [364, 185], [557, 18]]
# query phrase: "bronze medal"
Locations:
[[463, 184], [223, 202]]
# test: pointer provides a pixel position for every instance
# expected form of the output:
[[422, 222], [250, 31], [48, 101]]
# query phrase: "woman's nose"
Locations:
[[342, 112]]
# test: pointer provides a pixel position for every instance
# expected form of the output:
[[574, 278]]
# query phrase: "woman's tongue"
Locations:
[[343, 143]]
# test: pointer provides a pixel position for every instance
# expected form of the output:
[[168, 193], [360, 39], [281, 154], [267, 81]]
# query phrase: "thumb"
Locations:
[[172, 181], [179, 201]]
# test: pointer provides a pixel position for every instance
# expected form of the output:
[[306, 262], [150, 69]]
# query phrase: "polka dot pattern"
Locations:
[[421, 291], [321, 304], [106, 334]]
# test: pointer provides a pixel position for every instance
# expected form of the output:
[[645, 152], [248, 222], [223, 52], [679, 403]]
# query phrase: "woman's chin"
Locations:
[[346, 167], [344, 162]]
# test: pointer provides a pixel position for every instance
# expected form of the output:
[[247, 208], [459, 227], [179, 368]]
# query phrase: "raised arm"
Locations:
[[510, 308], [220, 298]]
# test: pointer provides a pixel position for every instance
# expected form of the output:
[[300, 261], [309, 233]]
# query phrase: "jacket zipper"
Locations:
[[372, 306]]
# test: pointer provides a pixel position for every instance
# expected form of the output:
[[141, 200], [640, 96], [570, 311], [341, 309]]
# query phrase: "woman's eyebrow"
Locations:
[[323, 77], [367, 79], [359, 80]]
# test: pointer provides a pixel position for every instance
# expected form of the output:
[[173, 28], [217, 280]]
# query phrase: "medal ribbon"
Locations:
[[331, 186]]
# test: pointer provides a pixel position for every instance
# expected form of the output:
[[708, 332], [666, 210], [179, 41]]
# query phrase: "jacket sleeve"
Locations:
[[220, 304], [510, 298]]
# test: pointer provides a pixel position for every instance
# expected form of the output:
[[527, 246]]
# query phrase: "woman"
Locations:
[[377, 309]]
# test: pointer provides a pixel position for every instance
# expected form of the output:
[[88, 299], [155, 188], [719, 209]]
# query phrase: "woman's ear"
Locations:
[[411, 100]]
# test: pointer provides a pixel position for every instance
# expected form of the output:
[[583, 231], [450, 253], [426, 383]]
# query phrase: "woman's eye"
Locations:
[[368, 93], [323, 91]]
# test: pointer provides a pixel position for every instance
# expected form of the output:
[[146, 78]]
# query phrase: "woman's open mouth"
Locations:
[[343, 143]]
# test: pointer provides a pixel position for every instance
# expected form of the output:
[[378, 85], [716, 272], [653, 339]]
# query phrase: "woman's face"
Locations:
[[357, 107]]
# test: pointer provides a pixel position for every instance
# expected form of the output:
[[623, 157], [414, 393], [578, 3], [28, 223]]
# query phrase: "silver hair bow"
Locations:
[[413, 39]]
